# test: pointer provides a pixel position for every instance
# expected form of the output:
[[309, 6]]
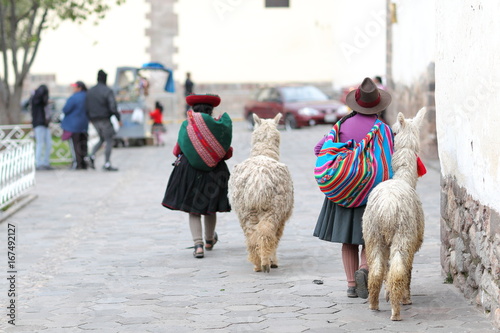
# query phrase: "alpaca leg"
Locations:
[[266, 251], [274, 257], [397, 281], [407, 294], [249, 223], [254, 258], [274, 260], [253, 250], [377, 259], [267, 241]]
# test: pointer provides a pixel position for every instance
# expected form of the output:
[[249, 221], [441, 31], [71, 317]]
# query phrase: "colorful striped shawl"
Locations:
[[205, 140], [347, 172]]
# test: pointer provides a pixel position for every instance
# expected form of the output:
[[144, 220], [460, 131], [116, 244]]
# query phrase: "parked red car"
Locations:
[[301, 105]]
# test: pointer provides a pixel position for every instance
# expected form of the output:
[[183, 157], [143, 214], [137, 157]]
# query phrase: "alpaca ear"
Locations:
[[420, 116], [401, 119], [256, 119], [277, 118]]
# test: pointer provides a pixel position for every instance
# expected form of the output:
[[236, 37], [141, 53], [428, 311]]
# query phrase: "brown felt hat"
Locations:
[[368, 99]]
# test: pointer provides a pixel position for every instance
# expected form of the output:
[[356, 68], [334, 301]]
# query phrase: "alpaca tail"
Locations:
[[267, 241]]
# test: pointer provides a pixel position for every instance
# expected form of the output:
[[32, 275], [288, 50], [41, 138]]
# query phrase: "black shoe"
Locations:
[[90, 161], [351, 292], [44, 167], [361, 277], [108, 167], [211, 242], [198, 255]]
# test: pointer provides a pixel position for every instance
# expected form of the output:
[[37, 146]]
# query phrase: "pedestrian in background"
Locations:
[[100, 105], [40, 119], [188, 90], [76, 123], [378, 82], [157, 129], [344, 225], [198, 182]]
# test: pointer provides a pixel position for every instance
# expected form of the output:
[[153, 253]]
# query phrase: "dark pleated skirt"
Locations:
[[199, 192], [339, 224]]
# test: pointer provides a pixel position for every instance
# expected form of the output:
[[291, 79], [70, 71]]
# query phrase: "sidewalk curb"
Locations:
[[17, 205]]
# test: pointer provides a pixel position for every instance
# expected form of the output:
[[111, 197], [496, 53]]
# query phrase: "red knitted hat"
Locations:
[[193, 99]]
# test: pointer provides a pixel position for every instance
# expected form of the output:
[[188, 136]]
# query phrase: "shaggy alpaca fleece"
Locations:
[[261, 194], [393, 222]]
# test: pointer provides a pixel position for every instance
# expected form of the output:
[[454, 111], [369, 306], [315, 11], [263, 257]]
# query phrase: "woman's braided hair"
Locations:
[[347, 116], [203, 108]]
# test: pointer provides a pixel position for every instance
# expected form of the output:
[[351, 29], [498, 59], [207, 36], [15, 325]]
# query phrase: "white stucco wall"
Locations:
[[358, 35], [413, 34], [230, 41], [313, 40], [467, 98]]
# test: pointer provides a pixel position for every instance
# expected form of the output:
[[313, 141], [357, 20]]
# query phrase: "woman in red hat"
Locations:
[[198, 183], [340, 224]]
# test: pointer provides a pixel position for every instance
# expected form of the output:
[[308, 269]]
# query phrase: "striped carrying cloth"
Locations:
[[346, 172], [205, 140]]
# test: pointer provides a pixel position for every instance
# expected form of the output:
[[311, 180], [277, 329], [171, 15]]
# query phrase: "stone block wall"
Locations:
[[470, 247], [408, 99], [162, 31]]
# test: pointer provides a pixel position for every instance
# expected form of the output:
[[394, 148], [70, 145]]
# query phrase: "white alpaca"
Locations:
[[261, 194], [393, 222]]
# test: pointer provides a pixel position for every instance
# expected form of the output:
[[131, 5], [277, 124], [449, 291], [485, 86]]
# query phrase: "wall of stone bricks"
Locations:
[[408, 99], [470, 247]]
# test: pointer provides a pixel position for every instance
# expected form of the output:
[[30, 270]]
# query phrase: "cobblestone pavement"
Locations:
[[96, 252]]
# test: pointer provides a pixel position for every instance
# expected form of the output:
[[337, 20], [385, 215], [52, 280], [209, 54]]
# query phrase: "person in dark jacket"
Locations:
[[40, 122], [76, 122], [100, 105], [188, 90]]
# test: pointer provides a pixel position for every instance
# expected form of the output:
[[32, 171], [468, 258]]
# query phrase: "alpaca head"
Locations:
[[407, 131], [266, 137]]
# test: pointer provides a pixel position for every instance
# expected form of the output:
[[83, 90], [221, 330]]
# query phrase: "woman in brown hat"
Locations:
[[337, 223], [198, 183]]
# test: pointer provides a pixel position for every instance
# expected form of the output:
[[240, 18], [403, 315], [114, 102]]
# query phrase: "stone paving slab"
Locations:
[[96, 252]]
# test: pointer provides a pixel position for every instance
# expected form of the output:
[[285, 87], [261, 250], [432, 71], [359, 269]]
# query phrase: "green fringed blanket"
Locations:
[[205, 140]]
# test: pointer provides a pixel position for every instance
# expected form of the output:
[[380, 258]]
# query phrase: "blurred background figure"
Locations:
[[143, 86], [40, 120], [188, 90], [378, 82], [76, 124], [157, 129], [100, 105]]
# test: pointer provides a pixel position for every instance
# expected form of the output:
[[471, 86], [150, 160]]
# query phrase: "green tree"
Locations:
[[21, 24]]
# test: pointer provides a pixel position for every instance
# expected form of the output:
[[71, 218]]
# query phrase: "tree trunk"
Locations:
[[3, 114], [10, 110], [15, 105]]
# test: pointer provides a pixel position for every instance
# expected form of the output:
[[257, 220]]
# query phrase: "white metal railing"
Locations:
[[12, 135], [17, 171]]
